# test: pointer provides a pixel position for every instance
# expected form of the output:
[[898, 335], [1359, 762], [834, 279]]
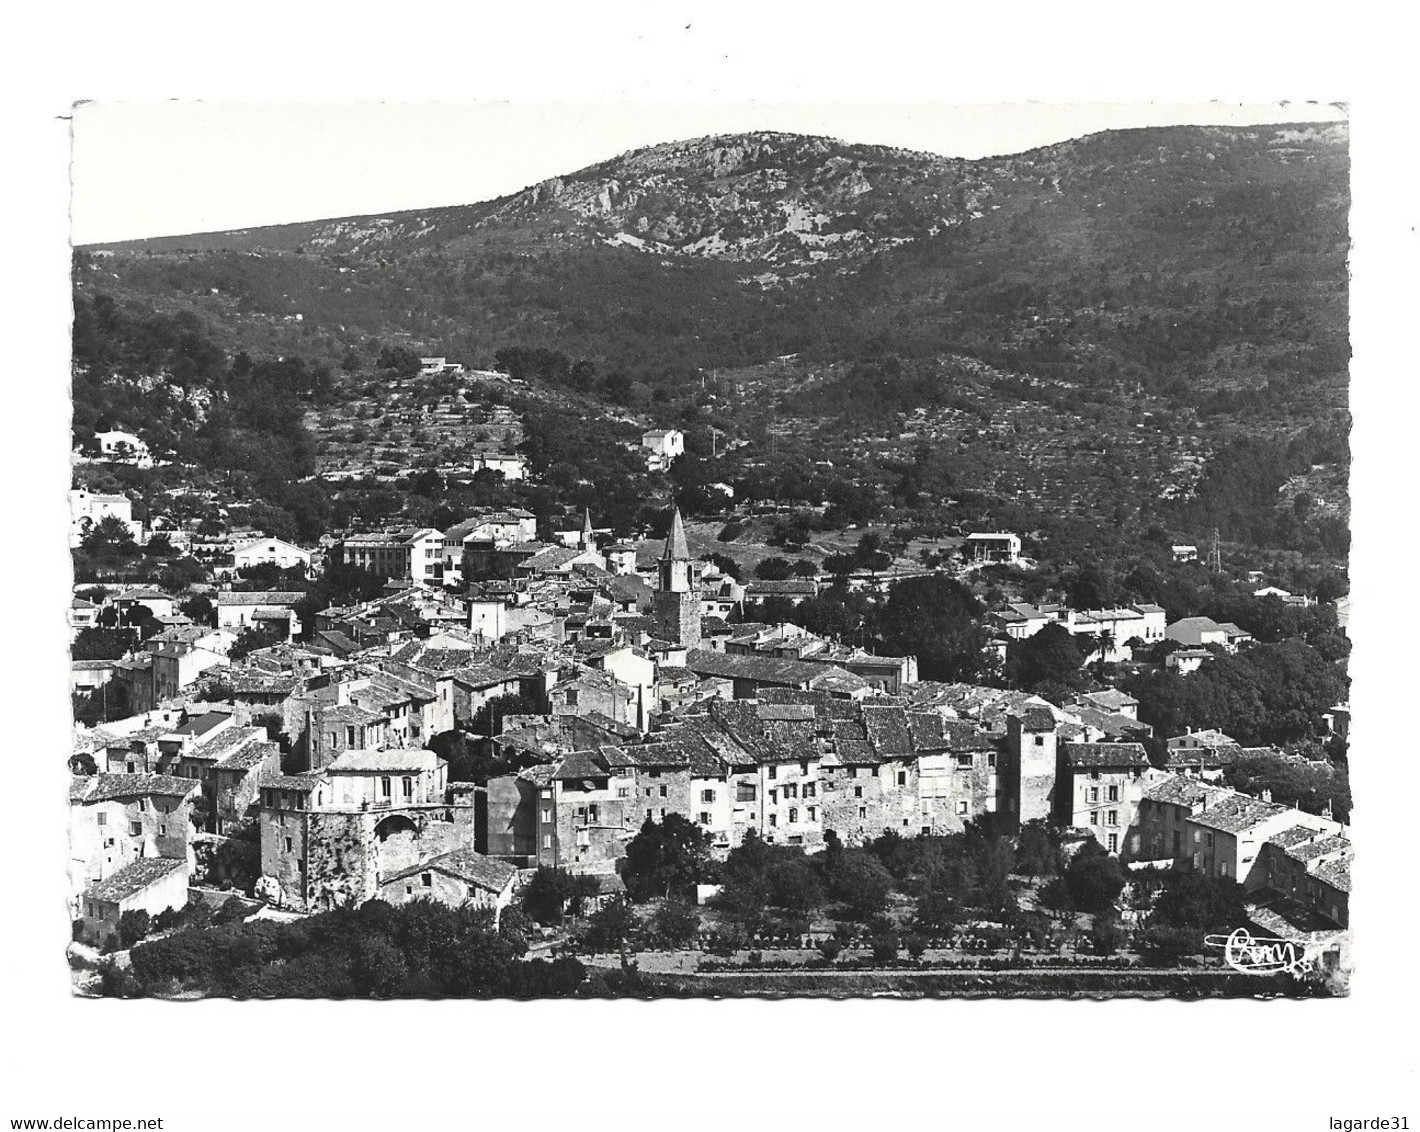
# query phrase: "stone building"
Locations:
[[116, 819], [148, 884], [329, 837], [675, 605], [460, 877], [1099, 786], [1028, 764]]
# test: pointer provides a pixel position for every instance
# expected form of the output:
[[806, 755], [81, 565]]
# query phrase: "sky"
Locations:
[[177, 167]]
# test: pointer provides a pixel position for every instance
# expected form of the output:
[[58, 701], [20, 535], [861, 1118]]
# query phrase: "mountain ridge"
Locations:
[[770, 197]]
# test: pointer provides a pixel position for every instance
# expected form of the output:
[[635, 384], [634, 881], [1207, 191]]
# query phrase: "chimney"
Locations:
[[1267, 795]]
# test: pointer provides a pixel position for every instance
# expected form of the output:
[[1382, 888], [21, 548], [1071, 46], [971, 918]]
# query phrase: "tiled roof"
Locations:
[[305, 782], [1238, 813], [133, 878], [888, 731], [466, 865], [761, 669], [580, 764], [835, 679], [200, 725], [1037, 718], [107, 787], [1105, 754], [260, 597], [396, 759], [1336, 873], [252, 755], [1182, 790]]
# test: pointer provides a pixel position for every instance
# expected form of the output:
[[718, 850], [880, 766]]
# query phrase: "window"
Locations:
[[426, 879], [103, 819], [1210, 841], [1113, 817], [648, 815], [902, 778], [704, 817], [803, 768], [707, 796], [773, 820], [547, 813], [135, 828], [1114, 793], [288, 845], [963, 761], [162, 831], [810, 790], [571, 697], [1092, 794], [813, 813], [774, 772], [663, 813], [991, 760], [408, 787], [793, 815], [142, 805], [350, 736], [409, 890], [744, 792], [791, 790], [1114, 843], [1040, 740], [862, 811], [593, 813], [1094, 817], [663, 791], [385, 787], [332, 738], [547, 837], [857, 791], [623, 792]]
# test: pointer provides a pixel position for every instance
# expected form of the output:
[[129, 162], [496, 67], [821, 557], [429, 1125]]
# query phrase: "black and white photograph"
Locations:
[[755, 563], [602, 563]]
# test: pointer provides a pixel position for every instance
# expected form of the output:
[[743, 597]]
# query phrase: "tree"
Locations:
[[1049, 656], [102, 644], [665, 857], [773, 569], [937, 620], [861, 884], [133, 926], [110, 536], [552, 893], [1095, 879], [676, 923], [1038, 852], [200, 609]]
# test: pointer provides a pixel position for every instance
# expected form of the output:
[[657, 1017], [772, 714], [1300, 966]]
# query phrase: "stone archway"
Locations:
[[396, 844]]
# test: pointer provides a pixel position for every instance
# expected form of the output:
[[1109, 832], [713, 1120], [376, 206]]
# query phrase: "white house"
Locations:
[[88, 508], [662, 446], [277, 551], [993, 548], [123, 448]]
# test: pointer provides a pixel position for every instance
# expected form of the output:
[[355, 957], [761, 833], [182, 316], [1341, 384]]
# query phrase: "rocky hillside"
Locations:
[[791, 200]]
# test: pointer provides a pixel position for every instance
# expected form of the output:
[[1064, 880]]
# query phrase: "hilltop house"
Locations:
[[993, 549], [277, 552]]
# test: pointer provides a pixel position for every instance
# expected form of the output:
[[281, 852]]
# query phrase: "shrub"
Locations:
[[885, 946], [830, 949], [133, 926]]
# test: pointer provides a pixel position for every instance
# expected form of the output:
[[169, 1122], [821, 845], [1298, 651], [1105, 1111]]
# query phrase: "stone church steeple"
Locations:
[[676, 602]]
